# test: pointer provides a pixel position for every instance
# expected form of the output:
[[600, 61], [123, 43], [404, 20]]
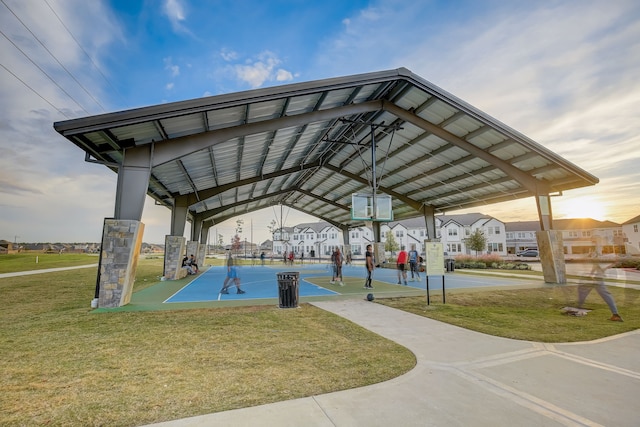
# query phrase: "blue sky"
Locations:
[[564, 73]]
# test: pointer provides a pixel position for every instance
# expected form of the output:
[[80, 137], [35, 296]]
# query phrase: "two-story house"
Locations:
[[631, 235]]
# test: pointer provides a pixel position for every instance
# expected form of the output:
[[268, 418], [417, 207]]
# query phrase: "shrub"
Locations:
[[488, 261], [628, 263]]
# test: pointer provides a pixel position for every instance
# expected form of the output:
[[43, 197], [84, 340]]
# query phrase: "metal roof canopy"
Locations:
[[307, 146]]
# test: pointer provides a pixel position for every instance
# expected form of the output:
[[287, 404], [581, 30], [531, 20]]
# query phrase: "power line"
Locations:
[[53, 56], [85, 52], [34, 91], [44, 72]]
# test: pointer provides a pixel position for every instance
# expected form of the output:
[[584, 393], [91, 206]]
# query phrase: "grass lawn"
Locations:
[[528, 314], [63, 364]]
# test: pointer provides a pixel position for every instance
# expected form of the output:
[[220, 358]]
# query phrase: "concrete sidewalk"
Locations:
[[45, 270], [465, 378]]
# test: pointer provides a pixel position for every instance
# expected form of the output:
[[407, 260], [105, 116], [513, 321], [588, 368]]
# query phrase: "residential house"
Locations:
[[451, 230], [521, 235], [631, 235], [580, 236]]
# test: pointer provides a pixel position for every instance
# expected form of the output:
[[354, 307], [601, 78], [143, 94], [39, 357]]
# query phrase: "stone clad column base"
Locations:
[[119, 255], [192, 248], [174, 250], [202, 253], [551, 250]]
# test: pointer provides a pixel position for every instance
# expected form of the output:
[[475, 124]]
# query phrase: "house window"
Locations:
[[494, 247], [635, 228], [399, 233], [453, 231]]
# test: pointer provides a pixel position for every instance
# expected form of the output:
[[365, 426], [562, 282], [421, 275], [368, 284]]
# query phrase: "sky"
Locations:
[[564, 73]]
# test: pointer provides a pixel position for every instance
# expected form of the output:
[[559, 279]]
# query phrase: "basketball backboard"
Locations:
[[362, 207]]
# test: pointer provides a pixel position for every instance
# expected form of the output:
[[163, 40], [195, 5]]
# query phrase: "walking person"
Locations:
[[232, 278], [597, 274], [337, 267], [401, 266], [370, 266], [413, 263]]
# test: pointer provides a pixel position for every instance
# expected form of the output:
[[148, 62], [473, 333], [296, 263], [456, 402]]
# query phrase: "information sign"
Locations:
[[434, 258]]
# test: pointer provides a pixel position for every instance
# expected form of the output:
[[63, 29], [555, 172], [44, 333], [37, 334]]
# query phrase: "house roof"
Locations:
[[562, 224], [632, 220], [309, 146]]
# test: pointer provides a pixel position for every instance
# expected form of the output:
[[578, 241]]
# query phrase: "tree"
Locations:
[[235, 243], [477, 241], [272, 227], [220, 241], [390, 245]]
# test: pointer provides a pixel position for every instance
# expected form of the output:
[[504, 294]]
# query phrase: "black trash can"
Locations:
[[450, 264], [288, 289]]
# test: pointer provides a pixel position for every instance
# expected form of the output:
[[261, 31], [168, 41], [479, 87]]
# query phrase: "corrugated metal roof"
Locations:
[[308, 146]]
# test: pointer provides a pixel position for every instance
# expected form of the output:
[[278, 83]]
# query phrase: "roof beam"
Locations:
[[214, 191], [530, 183], [168, 150]]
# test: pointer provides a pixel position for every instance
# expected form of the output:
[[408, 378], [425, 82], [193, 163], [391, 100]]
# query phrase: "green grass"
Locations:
[[527, 314], [27, 261], [65, 365]]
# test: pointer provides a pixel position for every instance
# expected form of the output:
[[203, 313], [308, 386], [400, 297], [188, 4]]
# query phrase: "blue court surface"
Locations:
[[260, 282]]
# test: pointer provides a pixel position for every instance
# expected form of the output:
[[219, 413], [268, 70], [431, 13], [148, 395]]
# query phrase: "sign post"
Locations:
[[434, 264]]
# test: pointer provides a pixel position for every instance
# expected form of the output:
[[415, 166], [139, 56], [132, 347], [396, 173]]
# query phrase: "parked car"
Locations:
[[528, 253]]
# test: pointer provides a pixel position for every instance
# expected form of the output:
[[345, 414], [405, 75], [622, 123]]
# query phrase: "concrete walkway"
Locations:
[[465, 378], [45, 270]]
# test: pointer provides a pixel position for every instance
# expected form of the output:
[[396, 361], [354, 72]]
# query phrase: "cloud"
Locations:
[[174, 70], [229, 55], [263, 69], [564, 76], [175, 11], [283, 75]]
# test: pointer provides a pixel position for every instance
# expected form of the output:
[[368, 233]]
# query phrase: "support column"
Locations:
[[202, 252], [196, 228], [551, 250], [375, 226], [133, 182], [174, 250], [346, 246], [550, 245], [179, 215], [430, 222], [192, 248], [122, 235], [119, 255]]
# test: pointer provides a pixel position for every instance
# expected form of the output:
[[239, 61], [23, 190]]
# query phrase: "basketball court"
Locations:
[[261, 286]]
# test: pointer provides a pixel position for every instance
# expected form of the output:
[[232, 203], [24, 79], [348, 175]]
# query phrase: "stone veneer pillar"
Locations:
[[119, 255], [174, 250], [551, 250], [192, 248], [202, 252]]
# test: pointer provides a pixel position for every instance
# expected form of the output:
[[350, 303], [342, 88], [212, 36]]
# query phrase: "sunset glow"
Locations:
[[581, 207]]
